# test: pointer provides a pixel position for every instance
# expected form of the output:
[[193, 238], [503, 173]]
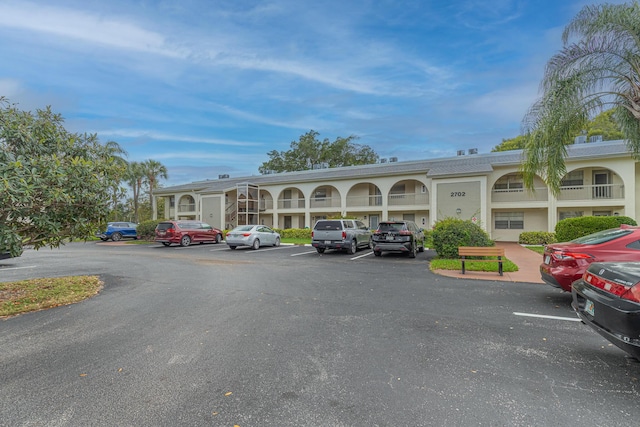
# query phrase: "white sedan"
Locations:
[[253, 236]]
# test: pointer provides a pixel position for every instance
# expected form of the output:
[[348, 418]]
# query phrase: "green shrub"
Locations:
[[146, 229], [572, 228], [536, 238], [450, 233], [294, 233]]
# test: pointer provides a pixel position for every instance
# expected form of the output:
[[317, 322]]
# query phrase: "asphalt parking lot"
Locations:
[[204, 336]]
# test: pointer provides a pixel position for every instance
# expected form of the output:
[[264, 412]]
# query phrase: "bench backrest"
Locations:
[[480, 251]]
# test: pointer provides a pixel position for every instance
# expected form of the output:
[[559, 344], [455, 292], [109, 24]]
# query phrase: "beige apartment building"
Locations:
[[602, 179]]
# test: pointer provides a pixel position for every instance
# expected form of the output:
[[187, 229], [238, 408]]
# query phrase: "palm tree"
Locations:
[[153, 171], [135, 179], [600, 70], [115, 154]]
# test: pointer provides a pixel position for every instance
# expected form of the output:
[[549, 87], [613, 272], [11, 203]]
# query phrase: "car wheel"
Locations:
[[353, 247], [377, 253], [103, 239], [277, 243], [421, 248], [320, 250], [256, 244], [412, 252], [233, 248], [166, 243], [185, 241], [116, 237], [218, 238]]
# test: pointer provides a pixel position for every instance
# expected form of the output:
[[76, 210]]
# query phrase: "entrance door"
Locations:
[[373, 221], [601, 187]]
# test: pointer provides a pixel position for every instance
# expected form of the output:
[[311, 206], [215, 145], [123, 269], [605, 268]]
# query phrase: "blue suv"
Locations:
[[118, 230]]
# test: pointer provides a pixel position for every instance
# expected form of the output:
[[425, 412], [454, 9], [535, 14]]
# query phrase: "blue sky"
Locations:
[[209, 87]]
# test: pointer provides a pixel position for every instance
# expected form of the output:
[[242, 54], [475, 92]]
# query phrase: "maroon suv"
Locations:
[[185, 232]]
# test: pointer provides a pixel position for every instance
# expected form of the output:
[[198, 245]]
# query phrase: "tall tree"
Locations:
[[117, 153], [309, 152], [154, 171], [135, 178], [597, 71], [54, 184]]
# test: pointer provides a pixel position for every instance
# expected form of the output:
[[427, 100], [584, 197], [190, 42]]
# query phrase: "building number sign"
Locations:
[[458, 194]]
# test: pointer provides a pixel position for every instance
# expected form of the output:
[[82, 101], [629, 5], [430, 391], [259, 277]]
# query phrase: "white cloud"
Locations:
[[84, 27]]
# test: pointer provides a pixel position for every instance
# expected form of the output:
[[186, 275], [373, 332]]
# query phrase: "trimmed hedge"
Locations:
[[294, 233], [536, 238], [450, 233], [572, 228]]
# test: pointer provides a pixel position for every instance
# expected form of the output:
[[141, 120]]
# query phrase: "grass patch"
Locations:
[[539, 249], [294, 241], [470, 265], [40, 294]]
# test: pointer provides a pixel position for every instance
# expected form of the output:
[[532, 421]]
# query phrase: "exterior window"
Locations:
[[573, 179], [570, 214], [509, 182], [320, 194], [509, 221], [601, 213]]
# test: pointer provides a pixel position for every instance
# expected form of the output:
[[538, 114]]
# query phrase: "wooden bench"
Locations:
[[465, 251]]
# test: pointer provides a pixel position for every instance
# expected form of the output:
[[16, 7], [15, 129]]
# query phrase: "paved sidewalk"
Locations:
[[528, 263]]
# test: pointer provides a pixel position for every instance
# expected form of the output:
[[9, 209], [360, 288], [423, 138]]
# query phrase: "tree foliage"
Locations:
[[604, 124], [309, 152], [597, 69], [55, 185]]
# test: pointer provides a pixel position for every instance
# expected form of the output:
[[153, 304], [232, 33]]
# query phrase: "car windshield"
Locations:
[[328, 225], [243, 228], [390, 226], [602, 236]]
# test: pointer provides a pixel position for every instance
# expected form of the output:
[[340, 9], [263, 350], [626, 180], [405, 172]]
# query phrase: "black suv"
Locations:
[[398, 236]]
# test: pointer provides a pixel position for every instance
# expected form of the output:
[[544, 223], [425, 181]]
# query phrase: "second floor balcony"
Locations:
[[592, 192]]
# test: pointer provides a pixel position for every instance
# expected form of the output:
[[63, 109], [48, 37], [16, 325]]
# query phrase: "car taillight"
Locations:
[[344, 235], [246, 234], [405, 233], [312, 234], [571, 255], [631, 293]]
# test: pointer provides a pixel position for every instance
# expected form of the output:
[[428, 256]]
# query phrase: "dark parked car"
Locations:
[[564, 263], [186, 232], [607, 298], [398, 236], [119, 230]]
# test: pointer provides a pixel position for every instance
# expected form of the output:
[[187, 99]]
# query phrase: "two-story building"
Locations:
[[601, 179]]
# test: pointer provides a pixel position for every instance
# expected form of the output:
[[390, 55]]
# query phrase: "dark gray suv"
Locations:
[[398, 236]]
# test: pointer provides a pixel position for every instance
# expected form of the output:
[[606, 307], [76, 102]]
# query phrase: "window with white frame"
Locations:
[[569, 214], [573, 179], [509, 220], [509, 182], [601, 213]]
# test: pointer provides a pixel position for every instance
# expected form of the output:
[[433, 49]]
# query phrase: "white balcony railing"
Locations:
[[324, 202], [520, 195], [291, 204], [592, 192], [408, 199], [362, 201]]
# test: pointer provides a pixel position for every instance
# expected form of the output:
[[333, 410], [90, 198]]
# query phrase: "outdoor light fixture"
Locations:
[[458, 211]]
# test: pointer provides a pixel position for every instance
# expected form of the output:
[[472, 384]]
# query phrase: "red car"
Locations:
[[564, 263], [186, 232]]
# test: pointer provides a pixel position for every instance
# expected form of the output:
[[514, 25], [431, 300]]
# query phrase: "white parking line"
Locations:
[[305, 253], [363, 255], [543, 316], [267, 249], [17, 268]]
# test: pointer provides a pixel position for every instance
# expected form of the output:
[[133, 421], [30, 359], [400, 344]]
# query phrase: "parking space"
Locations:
[[216, 336]]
